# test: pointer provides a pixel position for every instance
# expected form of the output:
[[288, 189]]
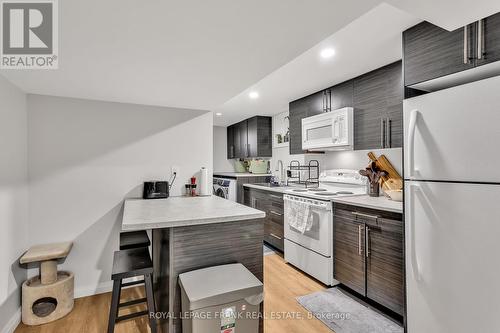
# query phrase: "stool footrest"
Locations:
[[132, 315], [133, 302], [133, 283]]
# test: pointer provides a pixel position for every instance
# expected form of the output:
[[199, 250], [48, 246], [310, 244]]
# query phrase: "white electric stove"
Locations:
[[312, 250]]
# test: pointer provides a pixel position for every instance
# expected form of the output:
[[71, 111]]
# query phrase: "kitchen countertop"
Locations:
[[381, 203], [140, 214], [239, 174]]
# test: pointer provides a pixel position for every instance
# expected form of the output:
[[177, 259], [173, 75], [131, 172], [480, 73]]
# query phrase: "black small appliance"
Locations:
[[156, 190]]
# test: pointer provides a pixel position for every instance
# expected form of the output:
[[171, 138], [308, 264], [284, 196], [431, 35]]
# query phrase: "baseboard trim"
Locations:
[[12, 324], [101, 288]]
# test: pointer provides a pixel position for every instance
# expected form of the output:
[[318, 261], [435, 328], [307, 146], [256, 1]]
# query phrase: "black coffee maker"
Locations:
[[155, 190]]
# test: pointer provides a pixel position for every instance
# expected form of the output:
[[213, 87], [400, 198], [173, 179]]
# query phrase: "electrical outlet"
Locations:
[[175, 169]]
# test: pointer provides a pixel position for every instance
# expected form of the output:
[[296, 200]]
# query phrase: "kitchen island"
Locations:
[[190, 233]]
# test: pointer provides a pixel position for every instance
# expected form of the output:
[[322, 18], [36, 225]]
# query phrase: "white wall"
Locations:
[[13, 199], [221, 163], [86, 156]]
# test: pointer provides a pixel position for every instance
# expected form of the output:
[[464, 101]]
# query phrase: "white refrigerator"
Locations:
[[452, 209]]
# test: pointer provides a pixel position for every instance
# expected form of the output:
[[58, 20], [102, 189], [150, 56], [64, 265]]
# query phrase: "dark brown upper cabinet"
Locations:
[[333, 98], [230, 142], [297, 112], [377, 98], [259, 138], [250, 138], [489, 42], [431, 52], [378, 108]]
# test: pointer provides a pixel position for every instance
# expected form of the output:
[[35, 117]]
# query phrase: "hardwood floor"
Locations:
[[282, 283]]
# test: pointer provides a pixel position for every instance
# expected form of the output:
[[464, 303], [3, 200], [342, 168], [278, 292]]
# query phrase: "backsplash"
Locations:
[[355, 159]]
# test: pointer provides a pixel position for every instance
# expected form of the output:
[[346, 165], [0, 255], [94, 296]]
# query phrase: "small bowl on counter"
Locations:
[[395, 195]]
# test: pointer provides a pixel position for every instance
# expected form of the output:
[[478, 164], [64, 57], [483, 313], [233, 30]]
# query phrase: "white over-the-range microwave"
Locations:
[[332, 130]]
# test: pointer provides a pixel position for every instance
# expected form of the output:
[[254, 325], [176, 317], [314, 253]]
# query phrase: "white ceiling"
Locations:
[[190, 53], [207, 54], [371, 41]]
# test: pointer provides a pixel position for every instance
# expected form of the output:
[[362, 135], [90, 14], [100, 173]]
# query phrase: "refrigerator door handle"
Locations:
[[411, 142], [412, 188]]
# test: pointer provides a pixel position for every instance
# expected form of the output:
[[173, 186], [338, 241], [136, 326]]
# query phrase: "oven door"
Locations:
[[319, 238]]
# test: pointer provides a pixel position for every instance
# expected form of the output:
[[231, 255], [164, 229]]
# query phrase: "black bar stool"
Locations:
[[134, 239], [126, 264]]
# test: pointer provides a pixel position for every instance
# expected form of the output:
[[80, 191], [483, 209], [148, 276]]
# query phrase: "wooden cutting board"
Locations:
[[393, 180]]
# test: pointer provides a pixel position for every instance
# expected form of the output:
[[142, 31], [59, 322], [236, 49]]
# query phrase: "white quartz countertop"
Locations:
[[173, 212], [381, 203], [240, 174]]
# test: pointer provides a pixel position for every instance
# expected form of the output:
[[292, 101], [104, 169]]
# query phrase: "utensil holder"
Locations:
[[374, 190]]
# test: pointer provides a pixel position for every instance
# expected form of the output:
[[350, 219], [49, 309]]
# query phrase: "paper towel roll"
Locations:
[[204, 188]]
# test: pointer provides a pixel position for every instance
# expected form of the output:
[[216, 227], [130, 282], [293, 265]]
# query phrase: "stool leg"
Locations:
[[151, 302], [115, 300]]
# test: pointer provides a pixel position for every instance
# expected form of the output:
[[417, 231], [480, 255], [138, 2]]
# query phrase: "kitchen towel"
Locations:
[[298, 214]]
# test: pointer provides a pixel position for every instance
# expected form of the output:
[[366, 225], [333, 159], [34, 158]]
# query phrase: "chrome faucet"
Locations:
[[281, 169]]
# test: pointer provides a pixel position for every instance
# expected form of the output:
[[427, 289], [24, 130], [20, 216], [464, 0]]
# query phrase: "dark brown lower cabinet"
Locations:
[[271, 203], [349, 254], [369, 254]]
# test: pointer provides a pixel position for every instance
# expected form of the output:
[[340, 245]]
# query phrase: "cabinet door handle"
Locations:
[[248, 150], [360, 251], [388, 133], [232, 151], [382, 133], [275, 213], [366, 215], [328, 100], [480, 39], [273, 235], [466, 44], [367, 241]]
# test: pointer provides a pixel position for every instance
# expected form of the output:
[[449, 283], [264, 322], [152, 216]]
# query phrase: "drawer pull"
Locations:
[[273, 235], [275, 213], [366, 215], [275, 196]]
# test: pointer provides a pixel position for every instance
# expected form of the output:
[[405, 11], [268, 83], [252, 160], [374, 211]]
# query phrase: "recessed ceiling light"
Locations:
[[327, 53], [253, 95], [218, 114]]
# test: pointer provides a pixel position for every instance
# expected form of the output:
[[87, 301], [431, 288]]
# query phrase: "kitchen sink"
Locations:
[[271, 185]]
